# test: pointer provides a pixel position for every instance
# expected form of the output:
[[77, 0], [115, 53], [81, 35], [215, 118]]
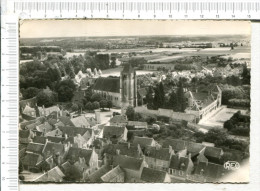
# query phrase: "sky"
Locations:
[[78, 28]]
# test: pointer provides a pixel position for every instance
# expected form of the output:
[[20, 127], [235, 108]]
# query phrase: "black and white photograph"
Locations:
[[134, 101]]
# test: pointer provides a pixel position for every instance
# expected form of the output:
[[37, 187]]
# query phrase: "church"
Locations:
[[121, 91]]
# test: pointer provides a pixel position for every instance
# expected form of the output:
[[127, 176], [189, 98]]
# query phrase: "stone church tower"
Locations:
[[128, 87]]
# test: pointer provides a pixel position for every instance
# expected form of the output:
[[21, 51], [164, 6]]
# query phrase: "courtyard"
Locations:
[[218, 118]]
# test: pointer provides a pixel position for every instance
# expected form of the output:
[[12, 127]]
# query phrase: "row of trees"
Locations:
[[220, 138], [156, 98], [238, 124]]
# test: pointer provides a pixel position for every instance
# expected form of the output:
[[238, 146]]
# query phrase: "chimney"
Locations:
[[97, 116], [105, 159], [170, 149], [189, 155]]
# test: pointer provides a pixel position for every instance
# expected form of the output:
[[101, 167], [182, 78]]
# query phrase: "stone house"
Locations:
[[151, 175], [132, 167]]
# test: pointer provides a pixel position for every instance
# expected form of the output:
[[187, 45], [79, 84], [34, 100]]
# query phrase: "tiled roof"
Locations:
[[178, 145], [127, 162], [91, 121], [31, 159], [213, 152], [111, 131], [70, 169], [162, 153], [73, 131], [80, 121], [31, 102], [143, 141], [53, 148], [59, 123], [117, 171], [123, 148], [32, 126], [24, 133], [42, 140], [179, 163], [49, 110], [66, 121], [28, 109], [108, 84], [118, 119], [96, 176], [39, 139], [53, 175], [45, 127], [54, 133], [153, 175], [75, 153], [35, 148]]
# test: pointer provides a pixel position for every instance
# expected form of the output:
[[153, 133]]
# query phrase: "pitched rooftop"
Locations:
[[127, 162], [109, 84], [153, 175]]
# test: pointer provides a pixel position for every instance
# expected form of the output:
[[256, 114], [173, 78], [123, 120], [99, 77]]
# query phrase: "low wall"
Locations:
[[175, 116]]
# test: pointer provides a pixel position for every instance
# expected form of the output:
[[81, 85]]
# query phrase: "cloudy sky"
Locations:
[[76, 28]]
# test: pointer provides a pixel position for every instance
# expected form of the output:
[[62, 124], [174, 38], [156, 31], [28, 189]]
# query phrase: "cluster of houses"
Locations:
[[58, 147]]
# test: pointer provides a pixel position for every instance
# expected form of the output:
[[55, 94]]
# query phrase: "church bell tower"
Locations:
[[128, 87]]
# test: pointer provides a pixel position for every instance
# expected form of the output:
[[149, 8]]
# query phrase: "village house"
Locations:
[[180, 166], [36, 148], [202, 103], [52, 149], [126, 149], [114, 175], [150, 175], [109, 88], [25, 136], [42, 140], [132, 167], [75, 135], [95, 177], [90, 157], [145, 142], [114, 133], [80, 121], [118, 120], [158, 158], [29, 111], [32, 161], [47, 111], [197, 150], [53, 175], [208, 172]]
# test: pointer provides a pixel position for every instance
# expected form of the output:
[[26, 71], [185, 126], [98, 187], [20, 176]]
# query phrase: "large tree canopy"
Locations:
[[65, 90]]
